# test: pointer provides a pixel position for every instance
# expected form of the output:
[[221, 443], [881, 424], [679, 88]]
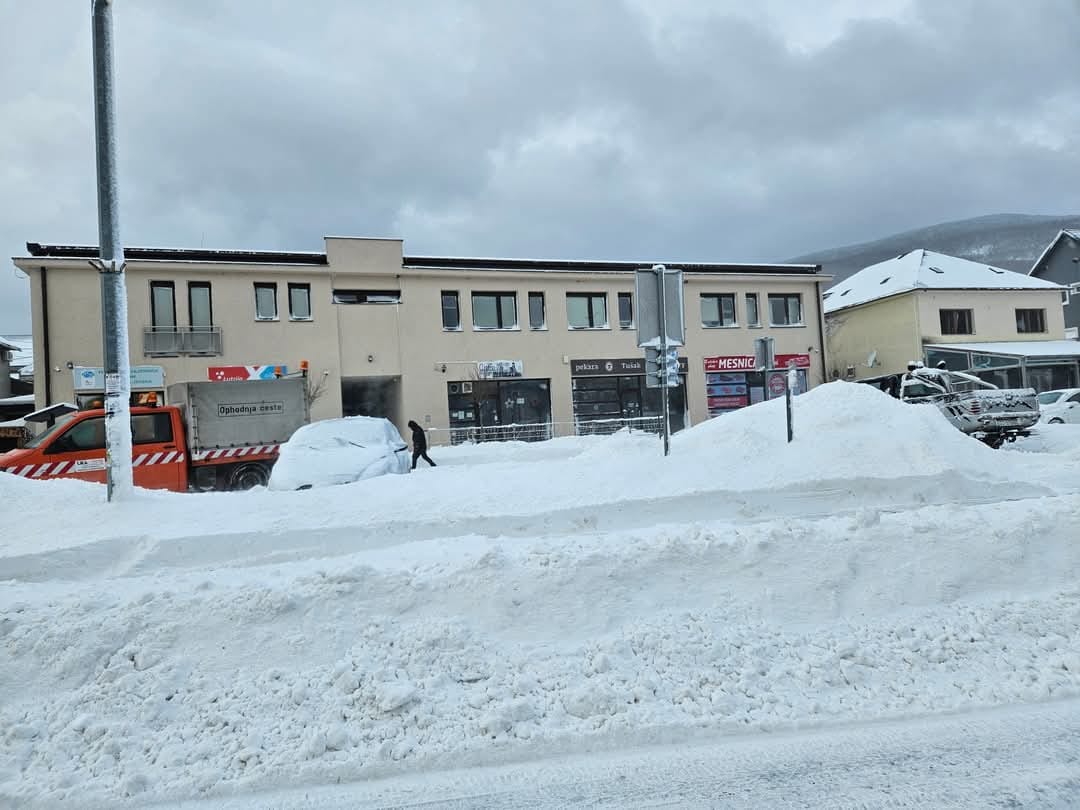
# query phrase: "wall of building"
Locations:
[[1062, 266], [888, 328], [994, 313]]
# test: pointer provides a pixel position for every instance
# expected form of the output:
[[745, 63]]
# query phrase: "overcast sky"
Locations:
[[675, 129]]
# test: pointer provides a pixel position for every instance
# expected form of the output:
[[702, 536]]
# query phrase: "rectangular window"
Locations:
[[1030, 320], [718, 310], [265, 301], [151, 428], [956, 322], [785, 309], [200, 308], [367, 296], [626, 310], [587, 310], [451, 311], [162, 305], [494, 310], [299, 302], [537, 312], [753, 317]]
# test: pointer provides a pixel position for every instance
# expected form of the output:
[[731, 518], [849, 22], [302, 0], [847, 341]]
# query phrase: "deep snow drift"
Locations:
[[528, 599]]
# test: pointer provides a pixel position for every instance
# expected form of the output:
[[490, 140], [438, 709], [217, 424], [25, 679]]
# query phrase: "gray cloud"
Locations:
[[680, 130]]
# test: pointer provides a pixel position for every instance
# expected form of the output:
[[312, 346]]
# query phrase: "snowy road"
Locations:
[[1016, 757]]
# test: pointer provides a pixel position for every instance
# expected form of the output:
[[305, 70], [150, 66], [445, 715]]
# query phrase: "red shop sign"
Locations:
[[735, 362], [719, 403], [801, 360]]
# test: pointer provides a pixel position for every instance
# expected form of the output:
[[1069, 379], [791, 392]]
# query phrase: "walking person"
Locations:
[[419, 444]]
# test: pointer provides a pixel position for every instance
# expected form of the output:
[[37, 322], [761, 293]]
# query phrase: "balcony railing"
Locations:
[[166, 340]]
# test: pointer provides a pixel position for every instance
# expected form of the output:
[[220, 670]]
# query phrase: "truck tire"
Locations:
[[247, 476], [1056, 421]]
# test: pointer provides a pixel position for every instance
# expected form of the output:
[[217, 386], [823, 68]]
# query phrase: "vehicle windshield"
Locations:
[[916, 389], [1050, 397], [41, 438]]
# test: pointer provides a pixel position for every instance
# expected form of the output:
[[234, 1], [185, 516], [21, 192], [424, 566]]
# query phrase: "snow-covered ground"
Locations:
[[529, 600]]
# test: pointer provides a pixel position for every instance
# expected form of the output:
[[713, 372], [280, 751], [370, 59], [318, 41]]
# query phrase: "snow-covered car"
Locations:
[[340, 451], [1060, 406]]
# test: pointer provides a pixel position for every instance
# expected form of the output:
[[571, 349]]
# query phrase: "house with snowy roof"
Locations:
[[1060, 263], [1007, 327]]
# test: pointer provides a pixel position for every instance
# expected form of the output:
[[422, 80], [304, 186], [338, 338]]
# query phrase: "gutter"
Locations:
[[821, 334], [46, 357]]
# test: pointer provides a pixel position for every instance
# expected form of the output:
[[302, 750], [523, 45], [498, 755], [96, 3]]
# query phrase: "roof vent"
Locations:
[[884, 279], [825, 296], [938, 270], [845, 292], [995, 270]]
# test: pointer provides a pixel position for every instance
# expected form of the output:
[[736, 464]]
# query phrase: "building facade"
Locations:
[[1060, 263], [903, 309], [454, 343]]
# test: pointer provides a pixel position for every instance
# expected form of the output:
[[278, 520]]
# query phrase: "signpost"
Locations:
[[661, 330]]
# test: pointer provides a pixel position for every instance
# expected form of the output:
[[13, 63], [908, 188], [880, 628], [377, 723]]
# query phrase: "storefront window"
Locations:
[[1051, 378]]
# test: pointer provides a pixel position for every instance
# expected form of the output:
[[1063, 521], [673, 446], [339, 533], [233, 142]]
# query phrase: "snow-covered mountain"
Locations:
[[1012, 241]]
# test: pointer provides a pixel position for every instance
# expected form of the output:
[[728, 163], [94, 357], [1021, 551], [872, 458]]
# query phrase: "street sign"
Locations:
[[647, 292]]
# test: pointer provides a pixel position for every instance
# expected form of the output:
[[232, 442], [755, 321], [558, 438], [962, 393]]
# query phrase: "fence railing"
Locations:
[[182, 340], [541, 431]]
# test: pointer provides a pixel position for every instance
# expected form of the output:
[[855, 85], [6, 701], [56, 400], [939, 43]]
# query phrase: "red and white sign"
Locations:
[[233, 373], [777, 384], [735, 362], [746, 362], [724, 403]]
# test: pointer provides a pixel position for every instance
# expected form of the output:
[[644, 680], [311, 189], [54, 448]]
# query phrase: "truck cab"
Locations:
[[76, 449]]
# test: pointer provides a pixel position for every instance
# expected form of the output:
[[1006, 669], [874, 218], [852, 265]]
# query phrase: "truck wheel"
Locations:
[[247, 476], [1056, 421]]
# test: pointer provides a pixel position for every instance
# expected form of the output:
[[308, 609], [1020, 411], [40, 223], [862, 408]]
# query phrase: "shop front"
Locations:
[[609, 394], [733, 381], [501, 404], [1045, 365]]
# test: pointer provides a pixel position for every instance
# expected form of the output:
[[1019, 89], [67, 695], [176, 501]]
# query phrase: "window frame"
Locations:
[[537, 295], [364, 296], [443, 296], [164, 285], [200, 285], [1041, 313], [970, 321], [306, 288], [719, 299], [755, 322], [61, 444], [589, 297], [498, 295], [266, 285], [787, 297], [157, 419], [629, 299]]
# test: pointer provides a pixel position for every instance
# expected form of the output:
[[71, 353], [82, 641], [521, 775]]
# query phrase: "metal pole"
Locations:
[[114, 325], [792, 382], [660, 270]]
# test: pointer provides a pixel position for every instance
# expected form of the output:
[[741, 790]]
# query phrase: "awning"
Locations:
[[1028, 349]]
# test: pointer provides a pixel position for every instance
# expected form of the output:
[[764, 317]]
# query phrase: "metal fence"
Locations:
[[170, 340], [541, 431]]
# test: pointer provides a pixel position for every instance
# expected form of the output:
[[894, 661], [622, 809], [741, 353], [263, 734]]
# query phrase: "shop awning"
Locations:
[[1028, 349]]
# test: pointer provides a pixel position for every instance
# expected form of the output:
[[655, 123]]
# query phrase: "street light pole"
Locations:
[[110, 265]]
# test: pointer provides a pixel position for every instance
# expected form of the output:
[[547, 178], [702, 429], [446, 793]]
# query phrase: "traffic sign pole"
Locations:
[[661, 293]]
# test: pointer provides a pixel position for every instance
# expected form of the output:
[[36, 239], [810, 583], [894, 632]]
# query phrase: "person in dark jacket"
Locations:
[[419, 444]]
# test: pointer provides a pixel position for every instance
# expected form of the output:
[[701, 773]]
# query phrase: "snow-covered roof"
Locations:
[[925, 270], [21, 399], [1064, 232], [21, 348], [1018, 348]]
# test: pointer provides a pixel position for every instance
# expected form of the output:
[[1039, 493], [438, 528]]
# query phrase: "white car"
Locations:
[[340, 451], [1061, 406]]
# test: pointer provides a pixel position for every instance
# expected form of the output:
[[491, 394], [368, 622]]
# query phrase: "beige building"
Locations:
[[457, 343], [931, 307]]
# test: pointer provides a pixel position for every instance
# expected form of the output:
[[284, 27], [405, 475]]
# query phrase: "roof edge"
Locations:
[[43, 251]]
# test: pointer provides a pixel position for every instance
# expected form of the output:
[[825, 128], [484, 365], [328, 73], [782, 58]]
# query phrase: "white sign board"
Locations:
[[92, 378], [497, 369]]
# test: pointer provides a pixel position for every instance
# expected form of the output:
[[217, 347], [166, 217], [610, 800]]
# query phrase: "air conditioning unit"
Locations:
[[454, 388], [466, 388]]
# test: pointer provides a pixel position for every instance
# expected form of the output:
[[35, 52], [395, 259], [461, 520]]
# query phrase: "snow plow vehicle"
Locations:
[[991, 414]]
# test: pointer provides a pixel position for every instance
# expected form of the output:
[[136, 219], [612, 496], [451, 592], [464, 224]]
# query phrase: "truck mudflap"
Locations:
[[229, 455]]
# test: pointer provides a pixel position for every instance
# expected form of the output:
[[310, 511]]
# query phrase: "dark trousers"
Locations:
[[421, 454]]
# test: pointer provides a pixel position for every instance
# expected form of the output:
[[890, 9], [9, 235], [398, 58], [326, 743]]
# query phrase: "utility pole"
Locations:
[[661, 284], [110, 265]]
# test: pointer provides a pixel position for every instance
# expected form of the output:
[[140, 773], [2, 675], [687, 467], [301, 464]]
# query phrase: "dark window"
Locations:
[[367, 296], [587, 310], [718, 310], [299, 302], [626, 310], [200, 307], [1030, 320], [89, 434], [265, 301], [537, 313], [162, 304], [753, 317], [494, 310], [1074, 398], [151, 428], [956, 322], [785, 310], [451, 310]]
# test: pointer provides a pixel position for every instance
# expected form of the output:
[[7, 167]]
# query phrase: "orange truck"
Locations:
[[211, 436]]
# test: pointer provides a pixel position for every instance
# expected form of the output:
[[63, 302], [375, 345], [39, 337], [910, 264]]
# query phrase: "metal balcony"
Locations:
[[176, 340]]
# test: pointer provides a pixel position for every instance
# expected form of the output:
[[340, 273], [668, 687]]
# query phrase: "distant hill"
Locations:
[[1012, 241]]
